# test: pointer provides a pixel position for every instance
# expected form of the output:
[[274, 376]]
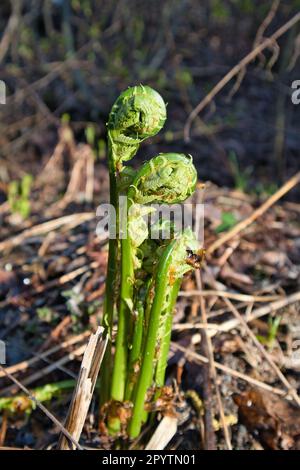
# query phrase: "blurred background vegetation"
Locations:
[[67, 61]]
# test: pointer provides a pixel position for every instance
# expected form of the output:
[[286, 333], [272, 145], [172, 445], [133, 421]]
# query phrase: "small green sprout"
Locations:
[[228, 221], [19, 196], [90, 135], [23, 404], [270, 338], [241, 177]]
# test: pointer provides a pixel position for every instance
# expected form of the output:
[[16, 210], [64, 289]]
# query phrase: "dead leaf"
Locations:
[[274, 420]]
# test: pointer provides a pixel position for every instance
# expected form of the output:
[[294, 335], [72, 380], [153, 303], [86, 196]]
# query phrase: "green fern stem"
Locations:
[[171, 268], [146, 372], [165, 340]]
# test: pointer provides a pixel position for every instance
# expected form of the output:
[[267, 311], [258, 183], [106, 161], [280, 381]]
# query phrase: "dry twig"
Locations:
[[85, 386], [24, 365], [212, 365], [235, 70], [71, 221], [11, 28], [263, 352], [260, 312], [192, 355], [290, 184], [42, 408], [48, 369], [164, 432], [230, 295]]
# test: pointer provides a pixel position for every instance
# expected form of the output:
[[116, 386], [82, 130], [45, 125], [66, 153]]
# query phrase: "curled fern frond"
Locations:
[[168, 178], [138, 113], [126, 177]]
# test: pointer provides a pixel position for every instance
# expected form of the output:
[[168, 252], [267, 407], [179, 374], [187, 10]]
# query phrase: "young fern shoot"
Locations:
[[169, 178], [143, 275], [137, 114]]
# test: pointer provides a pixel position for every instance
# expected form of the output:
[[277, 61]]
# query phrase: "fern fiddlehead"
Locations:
[[137, 114], [151, 272]]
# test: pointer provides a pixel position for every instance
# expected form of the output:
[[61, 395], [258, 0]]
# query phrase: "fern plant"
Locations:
[[143, 275]]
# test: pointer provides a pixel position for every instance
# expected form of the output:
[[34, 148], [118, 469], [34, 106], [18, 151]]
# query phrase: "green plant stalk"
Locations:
[[146, 320], [119, 372], [146, 372], [164, 340], [173, 264], [148, 311], [135, 352], [134, 360], [162, 358], [109, 301], [124, 322]]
